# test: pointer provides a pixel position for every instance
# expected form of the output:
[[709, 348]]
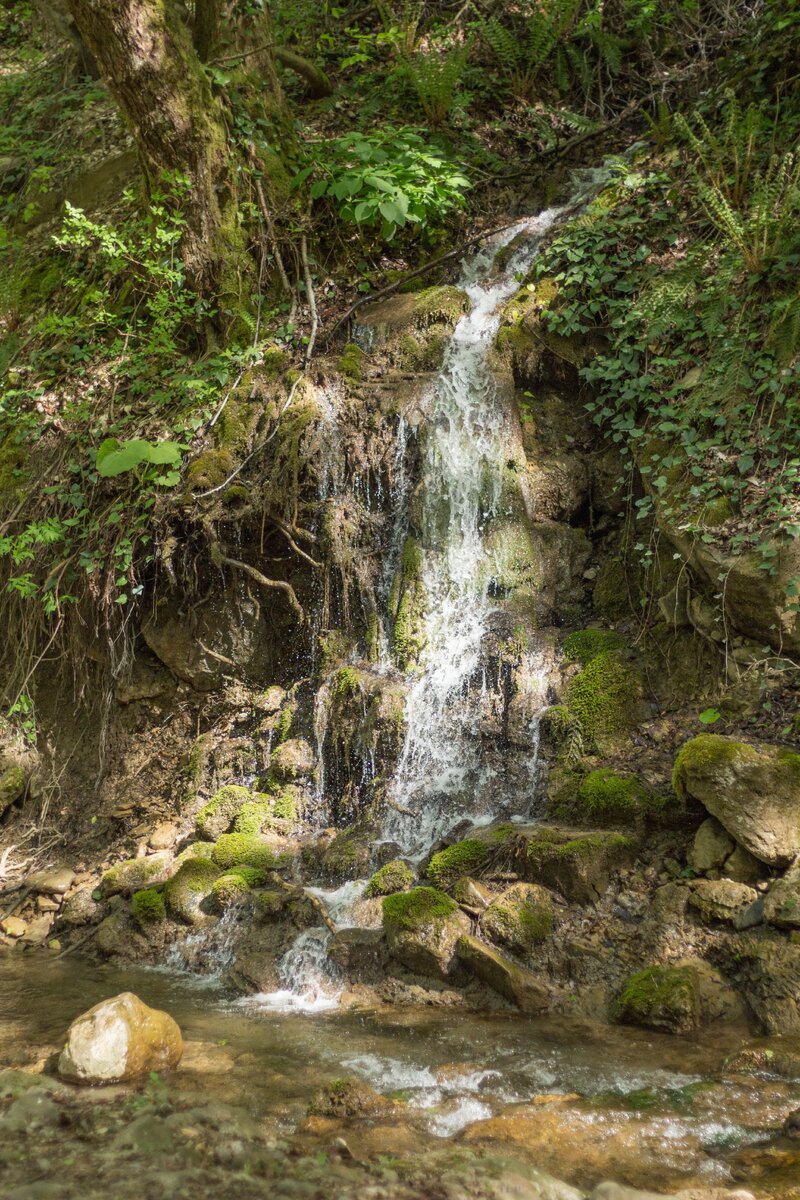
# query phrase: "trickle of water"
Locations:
[[462, 471]]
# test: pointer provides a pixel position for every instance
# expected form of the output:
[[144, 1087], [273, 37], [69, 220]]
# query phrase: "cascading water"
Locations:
[[461, 476]]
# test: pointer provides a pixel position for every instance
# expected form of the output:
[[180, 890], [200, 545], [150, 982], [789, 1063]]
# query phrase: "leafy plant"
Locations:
[[385, 180], [435, 75], [116, 458]]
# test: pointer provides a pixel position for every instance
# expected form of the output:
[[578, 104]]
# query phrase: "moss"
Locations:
[[414, 910], [715, 513], [407, 604], [235, 849], [348, 855], [708, 750], [189, 886], [234, 885], [285, 804], [148, 907], [520, 925], [221, 810], [500, 834], [604, 795], [605, 697], [12, 473], [460, 859], [585, 644], [283, 725], [347, 681], [510, 560], [562, 733], [135, 874], [194, 851], [253, 816], [197, 765], [579, 847], [12, 786], [660, 998], [615, 590], [349, 363], [209, 469], [395, 876]]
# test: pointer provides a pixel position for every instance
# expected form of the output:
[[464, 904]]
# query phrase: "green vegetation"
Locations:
[[660, 998], [395, 876], [604, 796], [240, 849], [450, 864], [234, 885], [605, 697], [415, 910], [586, 644], [148, 908], [708, 750]]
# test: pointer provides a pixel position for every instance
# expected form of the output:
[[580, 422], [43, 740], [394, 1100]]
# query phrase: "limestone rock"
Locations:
[[82, 909], [189, 887], [394, 876], [711, 846], [136, 873], [503, 976], [217, 816], [292, 760], [519, 918], [422, 929], [743, 867], [753, 791], [472, 893], [13, 927], [677, 998], [232, 626], [767, 969], [782, 901], [113, 935], [576, 863], [119, 1039], [721, 899], [53, 882], [360, 954], [348, 856]]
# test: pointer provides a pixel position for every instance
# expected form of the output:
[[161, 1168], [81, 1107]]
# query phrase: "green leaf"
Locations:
[[124, 458], [709, 716]]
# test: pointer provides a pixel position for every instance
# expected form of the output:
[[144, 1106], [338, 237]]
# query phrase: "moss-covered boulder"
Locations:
[[12, 786], [395, 876], [505, 977], [292, 760], [575, 863], [348, 856], [752, 790], [235, 886], [148, 908], [675, 999], [135, 874], [409, 329], [422, 928], [607, 697], [217, 816], [607, 797], [721, 901], [245, 849], [462, 858], [350, 1099], [520, 918], [769, 1056], [189, 887]]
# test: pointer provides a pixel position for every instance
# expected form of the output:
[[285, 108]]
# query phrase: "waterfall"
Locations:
[[462, 465]]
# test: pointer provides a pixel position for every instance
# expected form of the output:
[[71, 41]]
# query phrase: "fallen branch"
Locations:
[[312, 300], [323, 912]]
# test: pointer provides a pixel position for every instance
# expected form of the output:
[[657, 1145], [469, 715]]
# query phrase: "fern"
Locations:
[[435, 76]]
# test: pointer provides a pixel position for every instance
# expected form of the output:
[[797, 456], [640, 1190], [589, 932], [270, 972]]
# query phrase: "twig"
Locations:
[[17, 903], [76, 945], [312, 300], [280, 584], [323, 912], [406, 812]]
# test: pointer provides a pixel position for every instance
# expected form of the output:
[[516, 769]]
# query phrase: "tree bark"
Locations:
[[145, 55]]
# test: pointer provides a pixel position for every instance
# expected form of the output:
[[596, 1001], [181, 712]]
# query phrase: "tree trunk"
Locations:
[[145, 55]]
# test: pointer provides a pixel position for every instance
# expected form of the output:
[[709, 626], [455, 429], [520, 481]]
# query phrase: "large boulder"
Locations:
[[753, 791], [422, 929], [576, 863], [503, 976], [519, 918], [189, 888], [120, 1039], [228, 633], [678, 998]]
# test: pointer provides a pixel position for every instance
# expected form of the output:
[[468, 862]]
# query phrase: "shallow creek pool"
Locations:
[[581, 1100]]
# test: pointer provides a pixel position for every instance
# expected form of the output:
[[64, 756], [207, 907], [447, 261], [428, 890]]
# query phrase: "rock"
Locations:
[[779, 1057], [743, 867], [395, 876], [422, 928], [147, 1134], [82, 909], [232, 626], [472, 893], [270, 701], [217, 816], [753, 791], [145, 682], [163, 837], [348, 856], [782, 901], [767, 969], [677, 999], [791, 1126], [350, 1099], [519, 918], [119, 1039], [56, 881], [503, 976], [189, 887], [292, 760], [47, 904], [620, 1191], [12, 786], [721, 899], [711, 846], [360, 954], [113, 935], [575, 863], [136, 873], [13, 927], [751, 916], [29, 1111]]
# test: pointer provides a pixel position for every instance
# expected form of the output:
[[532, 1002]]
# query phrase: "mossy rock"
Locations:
[[148, 908], [245, 849], [348, 856], [664, 998], [422, 928], [561, 734], [275, 811], [395, 876], [578, 865], [217, 816], [462, 858], [293, 759], [136, 874], [349, 363], [234, 886], [607, 698], [752, 790], [607, 797], [766, 967], [185, 893], [12, 786], [511, 564], [520, 918], [779, 1058], [585, 644], [407, 605], [209, 469], [350, 1099]]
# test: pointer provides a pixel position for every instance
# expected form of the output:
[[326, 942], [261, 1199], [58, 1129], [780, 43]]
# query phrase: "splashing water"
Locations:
[[462, 472]]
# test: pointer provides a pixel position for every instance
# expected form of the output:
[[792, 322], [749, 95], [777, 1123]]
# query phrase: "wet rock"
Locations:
[[472, 893], [146, 1134], [782, 901], [12, 786], [422, 929], [753, 791], [13, 927], [360, 954], [120, 1039], [711, 846], [350, 1099], [292, 760], [81, 908], [575, 863], [217, 816], [769, 1056], [136, 873], [502, 975], [677, 998], [348, 856], [767, 968], [114, 935], [231, 626], [189, 887], [395, 876], [519, 918], [791, 1126], [54, 882], [721, 900], [270, 701]]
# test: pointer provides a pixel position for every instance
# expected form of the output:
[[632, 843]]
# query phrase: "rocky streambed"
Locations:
[[385, 1102]]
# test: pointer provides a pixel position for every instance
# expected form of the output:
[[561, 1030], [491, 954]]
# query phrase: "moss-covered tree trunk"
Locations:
[[145, 54]]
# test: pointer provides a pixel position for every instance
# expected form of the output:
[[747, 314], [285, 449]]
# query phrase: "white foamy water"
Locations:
[[463, 457]]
